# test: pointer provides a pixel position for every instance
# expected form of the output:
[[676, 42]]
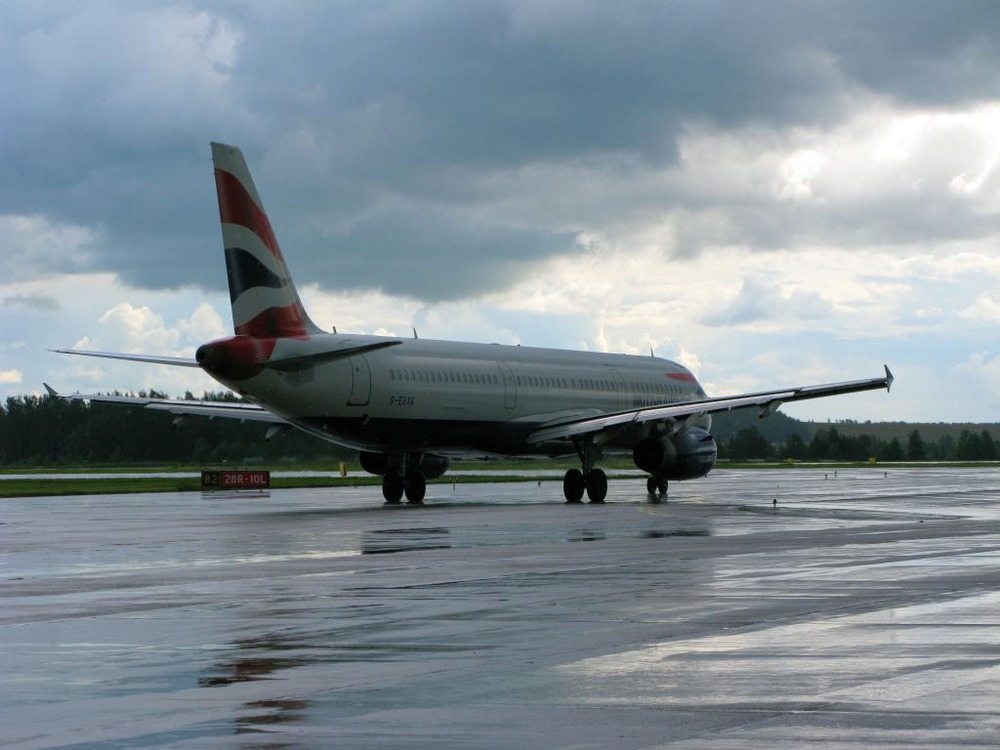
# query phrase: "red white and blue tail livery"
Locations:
[[264, 300]]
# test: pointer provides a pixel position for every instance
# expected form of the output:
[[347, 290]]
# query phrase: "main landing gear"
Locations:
[[594, 483], [412, 484], [590, 479], [404, 478]]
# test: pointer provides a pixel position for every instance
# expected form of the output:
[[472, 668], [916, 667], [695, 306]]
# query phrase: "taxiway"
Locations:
[[788, 608]]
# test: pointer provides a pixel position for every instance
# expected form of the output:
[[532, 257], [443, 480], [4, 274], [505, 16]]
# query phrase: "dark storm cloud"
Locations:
[[369, 126]]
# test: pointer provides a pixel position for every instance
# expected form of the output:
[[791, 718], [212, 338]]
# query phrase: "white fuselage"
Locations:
[[426, 395]]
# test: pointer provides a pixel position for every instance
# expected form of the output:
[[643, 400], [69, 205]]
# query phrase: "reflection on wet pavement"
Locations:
[[757, 608], [388, 541]]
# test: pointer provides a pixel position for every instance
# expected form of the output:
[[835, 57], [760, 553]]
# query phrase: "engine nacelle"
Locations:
[[688, 455], [430, 465], [374, 463], [433, 465]]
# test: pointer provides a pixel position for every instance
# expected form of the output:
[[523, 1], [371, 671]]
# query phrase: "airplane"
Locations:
[[408, 405]]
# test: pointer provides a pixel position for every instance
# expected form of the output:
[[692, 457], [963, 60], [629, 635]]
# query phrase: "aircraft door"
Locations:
[[509, 386], [361, 385]]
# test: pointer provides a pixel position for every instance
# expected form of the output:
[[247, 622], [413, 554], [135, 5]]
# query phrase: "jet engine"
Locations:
[[686, 455], [430, 465]]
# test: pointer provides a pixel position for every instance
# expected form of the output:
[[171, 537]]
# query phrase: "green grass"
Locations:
[[84, 486], [528, 471]]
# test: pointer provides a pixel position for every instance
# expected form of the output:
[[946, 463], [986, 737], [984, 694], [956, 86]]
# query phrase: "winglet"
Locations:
[[888, 378]]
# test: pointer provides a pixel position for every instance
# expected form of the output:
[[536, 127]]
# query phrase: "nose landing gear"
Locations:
[[657, 488]]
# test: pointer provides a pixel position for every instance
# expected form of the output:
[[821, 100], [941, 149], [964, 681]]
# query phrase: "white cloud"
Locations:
[[205, 324], [132, 330], [11, 377], [981, 374], [984, 309], [88, 316]]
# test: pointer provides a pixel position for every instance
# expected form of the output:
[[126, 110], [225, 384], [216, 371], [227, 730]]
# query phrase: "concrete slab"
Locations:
[[861, 610]]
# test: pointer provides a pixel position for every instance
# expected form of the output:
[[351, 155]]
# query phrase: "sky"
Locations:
[[773, 194]]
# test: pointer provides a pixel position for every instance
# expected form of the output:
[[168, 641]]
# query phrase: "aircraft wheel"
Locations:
[[573, 486], [392, 488], [597, 485], [657, 488], [415, 486]]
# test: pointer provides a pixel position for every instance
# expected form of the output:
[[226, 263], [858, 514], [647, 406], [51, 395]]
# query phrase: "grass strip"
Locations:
[[82, 486], [528, 473]]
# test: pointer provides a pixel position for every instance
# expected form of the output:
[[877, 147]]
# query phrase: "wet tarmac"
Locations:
[[862, 610]]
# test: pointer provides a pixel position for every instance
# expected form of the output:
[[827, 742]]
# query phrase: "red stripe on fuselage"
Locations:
[[685, 376], [237, 207]]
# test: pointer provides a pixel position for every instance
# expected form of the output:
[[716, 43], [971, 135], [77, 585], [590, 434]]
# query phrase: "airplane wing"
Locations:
[[767, 401], [179, 407]]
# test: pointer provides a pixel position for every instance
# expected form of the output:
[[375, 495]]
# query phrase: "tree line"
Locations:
[[829, 444], [51, 431]]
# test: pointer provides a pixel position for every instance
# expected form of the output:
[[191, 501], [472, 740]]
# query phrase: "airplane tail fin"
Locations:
[[263, 296]]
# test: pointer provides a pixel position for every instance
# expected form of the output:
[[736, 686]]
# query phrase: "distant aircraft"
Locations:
[[409, 405]]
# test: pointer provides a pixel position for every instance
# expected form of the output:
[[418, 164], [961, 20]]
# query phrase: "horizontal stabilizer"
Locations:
[[147, 358]]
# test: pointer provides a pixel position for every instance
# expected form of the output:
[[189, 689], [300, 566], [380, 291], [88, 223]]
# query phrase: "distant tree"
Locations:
[[748, 443], [831, 445], [915, 449], [893, 450], [969, 447], [824, 444], [795, 447], [975, 447], [989, 447], [943, 450]]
